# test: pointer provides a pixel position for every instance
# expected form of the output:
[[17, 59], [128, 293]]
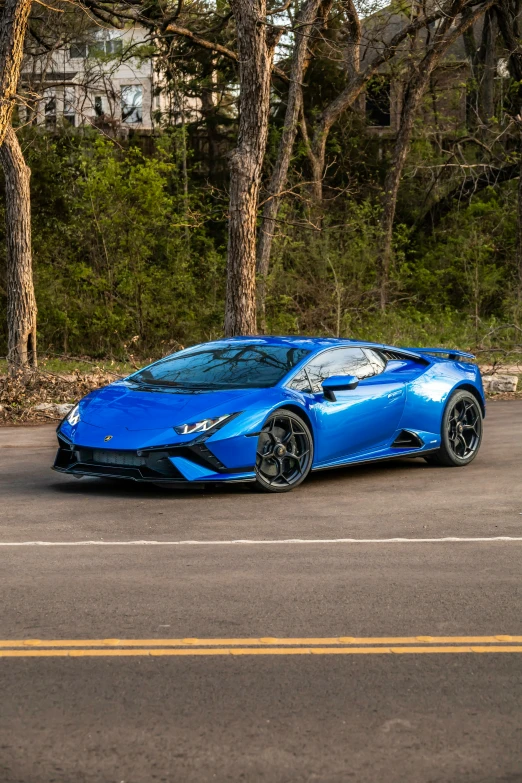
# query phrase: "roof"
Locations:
[[315, 344], [380, 27], [296, 341]]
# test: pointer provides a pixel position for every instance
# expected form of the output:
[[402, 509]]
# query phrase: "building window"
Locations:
[[69, 105], [106, 43], [132, 103], [378, 102], [113, 42], [78, 51], [98, 105]]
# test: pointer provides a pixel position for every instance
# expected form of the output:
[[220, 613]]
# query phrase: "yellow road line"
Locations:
[[154, 652], [260, 641]]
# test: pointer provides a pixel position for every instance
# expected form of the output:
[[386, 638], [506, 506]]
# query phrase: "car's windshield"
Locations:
[[228, 367]]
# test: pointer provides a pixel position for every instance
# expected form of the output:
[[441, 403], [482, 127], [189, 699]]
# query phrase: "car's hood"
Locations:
[[123, 405]]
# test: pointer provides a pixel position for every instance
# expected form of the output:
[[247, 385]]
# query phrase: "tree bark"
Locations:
[[507, 17], [21, 305], [256, 42], [508, 22], [414, 92], [519, 233], [316, 146], [305, 21], [21, 302], [13, 26], [488, 68]]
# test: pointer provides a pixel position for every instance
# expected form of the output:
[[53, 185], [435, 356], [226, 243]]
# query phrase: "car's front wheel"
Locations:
[[285, 452], [461, 433]]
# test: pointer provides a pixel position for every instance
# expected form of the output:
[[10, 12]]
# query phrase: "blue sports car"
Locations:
[[271, 409]]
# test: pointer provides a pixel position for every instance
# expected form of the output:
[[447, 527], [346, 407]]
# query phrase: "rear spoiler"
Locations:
[[444, 352]]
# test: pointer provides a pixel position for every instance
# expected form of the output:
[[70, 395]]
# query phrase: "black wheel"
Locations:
[[461, 433], [285, 452]]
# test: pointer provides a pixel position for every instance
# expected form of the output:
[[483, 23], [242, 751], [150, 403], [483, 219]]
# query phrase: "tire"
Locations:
[[285, 452], [461, 432]]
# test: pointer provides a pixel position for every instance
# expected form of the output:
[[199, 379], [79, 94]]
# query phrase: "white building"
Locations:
[[103, 82]]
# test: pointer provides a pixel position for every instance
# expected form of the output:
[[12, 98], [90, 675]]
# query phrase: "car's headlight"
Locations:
[[73, 417], [202, 426]]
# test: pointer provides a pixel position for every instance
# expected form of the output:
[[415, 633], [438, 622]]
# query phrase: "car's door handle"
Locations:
[[397, 393]]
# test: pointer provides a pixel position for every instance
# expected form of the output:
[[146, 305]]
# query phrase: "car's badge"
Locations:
[[107, 437]]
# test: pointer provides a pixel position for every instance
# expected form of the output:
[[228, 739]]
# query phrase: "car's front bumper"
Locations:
[[175, 464]]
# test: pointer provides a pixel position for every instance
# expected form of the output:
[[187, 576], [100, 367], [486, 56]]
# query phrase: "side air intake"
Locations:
[[407, 440]]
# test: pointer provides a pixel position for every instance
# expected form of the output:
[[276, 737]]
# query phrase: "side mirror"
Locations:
[[338, 383]]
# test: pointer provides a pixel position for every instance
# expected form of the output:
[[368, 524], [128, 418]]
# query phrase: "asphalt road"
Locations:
[[415, 672]]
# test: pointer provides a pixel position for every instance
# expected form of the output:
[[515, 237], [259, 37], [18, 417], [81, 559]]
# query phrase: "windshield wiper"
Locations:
[[157, 384], [154, 382]]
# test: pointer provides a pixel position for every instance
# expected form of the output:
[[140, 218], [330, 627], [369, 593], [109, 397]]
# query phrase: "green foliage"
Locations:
[[319, 282], [121, 256], [467, 264], [130, 262], [450, 287]]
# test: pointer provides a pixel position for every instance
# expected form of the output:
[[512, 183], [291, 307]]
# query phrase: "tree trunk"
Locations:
[[208, 113], [21, 302], [414, 93], [355, 84], [518, 303], [13, 25], [317, 159], [305, 21], [488, 69], [392, 181], [21, 305], [480, 99], [256, 44], [508, 22]]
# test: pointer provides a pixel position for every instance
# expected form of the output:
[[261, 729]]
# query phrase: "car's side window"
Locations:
[[377, 362], [300, 382], [339, 361]]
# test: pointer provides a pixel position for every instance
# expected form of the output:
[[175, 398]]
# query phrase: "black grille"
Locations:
[[394, 355], [127, 459], [200, 453], [407, 440], [109, 462], [139, 464]]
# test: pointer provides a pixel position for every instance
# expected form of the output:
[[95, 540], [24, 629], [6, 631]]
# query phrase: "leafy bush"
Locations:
[[129, 257], [121, 256]]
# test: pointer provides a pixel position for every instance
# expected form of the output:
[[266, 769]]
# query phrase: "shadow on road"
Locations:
[[100, 487]]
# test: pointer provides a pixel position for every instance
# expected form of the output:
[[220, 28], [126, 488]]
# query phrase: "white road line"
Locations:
[[269, 542]]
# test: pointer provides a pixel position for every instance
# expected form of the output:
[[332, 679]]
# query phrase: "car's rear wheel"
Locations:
[[285, 452], [461, 433]]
